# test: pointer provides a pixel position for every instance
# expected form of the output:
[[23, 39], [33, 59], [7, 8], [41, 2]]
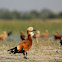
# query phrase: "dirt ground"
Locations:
[[39, 53]]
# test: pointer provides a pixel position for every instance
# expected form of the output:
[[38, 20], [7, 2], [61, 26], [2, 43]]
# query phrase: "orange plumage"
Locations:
[[25, 45], [57, 36], [44, 34], [37, 35], [22, 36], [4, 35]]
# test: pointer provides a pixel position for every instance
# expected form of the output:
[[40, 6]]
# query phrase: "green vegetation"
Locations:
[[45, 50], [16, 26], [43, 14]]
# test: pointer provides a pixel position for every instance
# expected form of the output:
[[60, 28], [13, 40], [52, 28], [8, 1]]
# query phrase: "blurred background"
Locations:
[[45, 16], [17, 15], [30, 9]]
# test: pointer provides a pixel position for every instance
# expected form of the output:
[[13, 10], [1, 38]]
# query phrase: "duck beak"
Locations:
[[34, 30]]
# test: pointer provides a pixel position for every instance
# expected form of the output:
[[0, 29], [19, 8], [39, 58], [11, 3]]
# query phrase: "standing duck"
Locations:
[[5, 35], [45, 34], [25, 45]]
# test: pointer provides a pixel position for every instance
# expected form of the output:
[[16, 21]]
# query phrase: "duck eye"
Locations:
[[29, 35]]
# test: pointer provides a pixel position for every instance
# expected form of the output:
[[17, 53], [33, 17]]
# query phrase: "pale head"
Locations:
[[30, 28], [38, 32], [30, 31], [4, 32]]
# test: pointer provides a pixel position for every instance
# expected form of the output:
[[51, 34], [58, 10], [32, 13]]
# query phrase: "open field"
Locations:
[[47, 50], [16, 26], [44, 51]]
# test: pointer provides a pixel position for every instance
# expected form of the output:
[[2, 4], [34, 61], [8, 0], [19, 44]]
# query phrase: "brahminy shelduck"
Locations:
[[22, 36], [25, 45], [57, 36], [45, 34], [37, 35], [5, 35]]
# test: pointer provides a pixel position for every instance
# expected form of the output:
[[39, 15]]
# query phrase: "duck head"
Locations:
[[30, 31], [9, 33]]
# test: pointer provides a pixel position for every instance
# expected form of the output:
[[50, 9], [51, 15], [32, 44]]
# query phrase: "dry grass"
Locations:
[[47, 50], [44, 51], [16, 26]]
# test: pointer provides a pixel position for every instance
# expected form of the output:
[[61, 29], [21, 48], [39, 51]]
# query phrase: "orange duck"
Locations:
[[37, 35], [25, 45], [57, 36], [22, 36], [45, 34], [5, 35]]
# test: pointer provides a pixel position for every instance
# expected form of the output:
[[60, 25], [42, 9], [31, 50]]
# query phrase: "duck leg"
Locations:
[[25, 55]]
